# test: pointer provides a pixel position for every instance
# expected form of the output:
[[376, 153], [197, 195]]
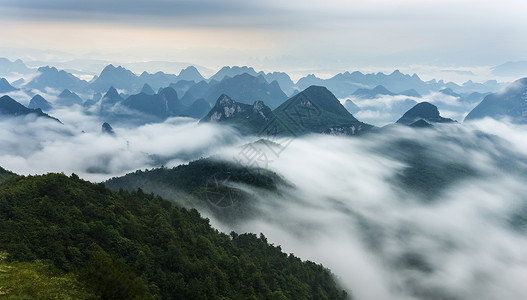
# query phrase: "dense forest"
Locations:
[[66, 238], [219, 187]]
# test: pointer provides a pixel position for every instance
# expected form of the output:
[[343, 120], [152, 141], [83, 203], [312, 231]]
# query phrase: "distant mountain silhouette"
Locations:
[[511, 103], [109, 100], [107, 129], [157, 80], [232, 72], [198, 109], [198, 90], [190, 73], [67, 98], [351, 107], [5, 87], [382, 91], [181, 87], [39, 102], [117, 77], [283, 79], [50, 77], [162, 105], [423, 111], [246, 89], [11, 108], [372, 93], [147, 89], [450, 92], [8, 67]]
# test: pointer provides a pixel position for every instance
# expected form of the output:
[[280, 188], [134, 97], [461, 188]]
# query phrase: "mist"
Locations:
[[350, 208], [401, 214], [30, 145]]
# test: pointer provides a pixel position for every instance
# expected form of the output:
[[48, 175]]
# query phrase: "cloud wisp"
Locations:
[[451, 232]]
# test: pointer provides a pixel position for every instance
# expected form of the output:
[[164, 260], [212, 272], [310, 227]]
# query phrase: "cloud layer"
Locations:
[[352, 210]]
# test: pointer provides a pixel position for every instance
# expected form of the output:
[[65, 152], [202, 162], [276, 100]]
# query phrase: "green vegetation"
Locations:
[[132, 245], [202, 184], [5, 175], [316, 110], [32, 280]]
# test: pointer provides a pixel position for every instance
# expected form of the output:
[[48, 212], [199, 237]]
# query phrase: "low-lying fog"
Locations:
[[356, 205]]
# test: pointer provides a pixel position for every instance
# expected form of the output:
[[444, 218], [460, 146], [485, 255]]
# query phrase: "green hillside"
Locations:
[[132, 245]]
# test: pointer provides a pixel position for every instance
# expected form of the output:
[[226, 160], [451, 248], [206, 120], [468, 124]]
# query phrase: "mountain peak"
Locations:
[[107, 129], [65, 93], [190, 73], [147, 89], [425, 111], [39, 102], [5, 86]]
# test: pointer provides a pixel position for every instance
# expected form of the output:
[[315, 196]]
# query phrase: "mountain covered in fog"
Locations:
[[50, 77], [88, 242], [39, 102], [382, 91], [423, 111], [246, 88], [11, 108], [246, 118], [508, 103], [8, 67], [5, 87], [314, 110]]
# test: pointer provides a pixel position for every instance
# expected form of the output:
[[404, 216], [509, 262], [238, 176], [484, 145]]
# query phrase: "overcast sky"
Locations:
[[330, 35]]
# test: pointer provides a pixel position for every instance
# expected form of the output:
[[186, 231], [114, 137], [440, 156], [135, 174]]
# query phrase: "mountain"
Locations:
[[244, 117], [157, 80], [198, 109], [190, 73], [181, 87], [410, 93], [119, 78], [198, 90], [50, 77], [162, 105], [147, 89], [316, 110], [449, 92], [107, 129], [110, 99], [5, 87], [422, 111], [380, 90], [283, 79], [474, 97], [246, 88], [232, 72], [510, 102], [39, 102], [372, 93], [345, 84], [8, 67], [11, 108], [67, 98], [133, 245], [351, 107]]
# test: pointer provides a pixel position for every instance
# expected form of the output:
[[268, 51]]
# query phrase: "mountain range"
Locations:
[[510, 103], [5, 87], [314, 110], [11, 108]]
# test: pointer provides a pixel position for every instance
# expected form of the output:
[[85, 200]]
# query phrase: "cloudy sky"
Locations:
[[331, 35]]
